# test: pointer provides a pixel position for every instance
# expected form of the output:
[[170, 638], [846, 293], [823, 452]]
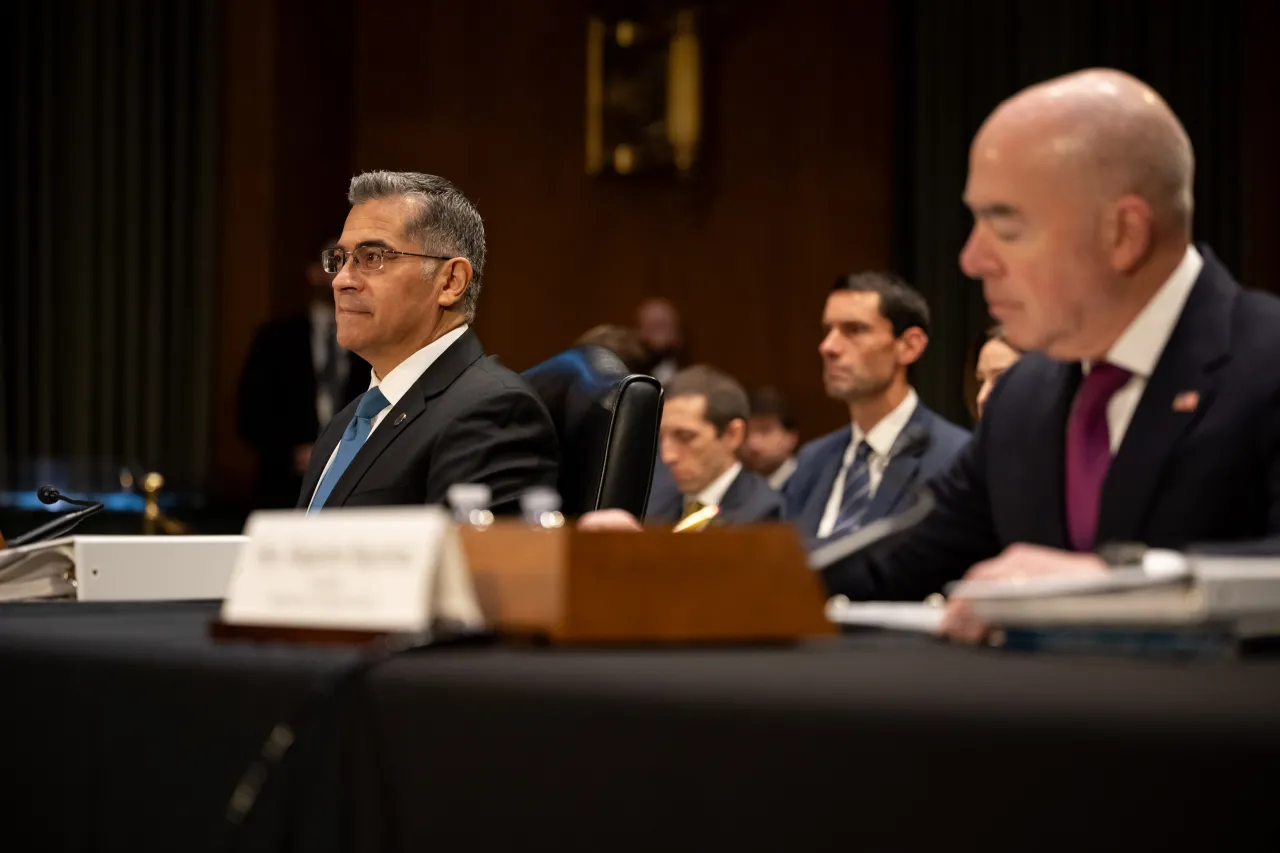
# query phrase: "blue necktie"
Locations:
[[856, 497], [353, 438]]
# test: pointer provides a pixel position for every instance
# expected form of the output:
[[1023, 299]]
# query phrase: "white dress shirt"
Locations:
[[779, 478], [1140, 346], [881, 438], [399, 381], [715, 491]]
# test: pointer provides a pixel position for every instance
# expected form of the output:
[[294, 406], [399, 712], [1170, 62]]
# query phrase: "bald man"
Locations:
[[1147, 411]]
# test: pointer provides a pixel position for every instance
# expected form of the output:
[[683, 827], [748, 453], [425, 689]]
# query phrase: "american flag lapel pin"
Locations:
[[400, 419], [1186, 401]]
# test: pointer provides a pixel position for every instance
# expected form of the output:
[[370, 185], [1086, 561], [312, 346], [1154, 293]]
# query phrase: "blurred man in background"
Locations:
[[772, 438], [704, 422], [877, 326], [658, 325], [622, 342], [297, 376], [438, 411]]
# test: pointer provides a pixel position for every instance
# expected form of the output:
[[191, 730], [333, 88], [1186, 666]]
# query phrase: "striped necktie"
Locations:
[[856, 497]]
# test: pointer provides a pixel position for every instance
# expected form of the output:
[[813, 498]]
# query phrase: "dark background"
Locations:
[[170, 169]]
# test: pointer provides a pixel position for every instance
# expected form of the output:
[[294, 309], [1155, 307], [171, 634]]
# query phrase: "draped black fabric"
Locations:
[[957, 61], [107, 324]]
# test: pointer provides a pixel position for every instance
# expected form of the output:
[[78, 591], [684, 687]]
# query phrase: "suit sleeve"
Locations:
[[506, 441], [796, 488], [1268, 546], [958, 533]]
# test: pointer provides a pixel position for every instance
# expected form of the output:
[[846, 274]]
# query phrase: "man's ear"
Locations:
[[452, 278], [911, 345], [735, 434], [1127, 232]]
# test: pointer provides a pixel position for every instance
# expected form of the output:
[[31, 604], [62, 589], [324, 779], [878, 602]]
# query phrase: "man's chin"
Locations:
[[844, 393]]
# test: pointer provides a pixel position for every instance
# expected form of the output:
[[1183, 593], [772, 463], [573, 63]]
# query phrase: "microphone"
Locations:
[[913, 439], [876, 533], [50, 495], [58, 526]]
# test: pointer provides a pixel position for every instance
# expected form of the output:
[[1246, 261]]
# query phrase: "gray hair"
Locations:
[[445, 222]]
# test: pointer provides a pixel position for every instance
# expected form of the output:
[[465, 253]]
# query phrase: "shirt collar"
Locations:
[[401, 378], [714, 493], [885, 434], [1140, 345], [784, 472]]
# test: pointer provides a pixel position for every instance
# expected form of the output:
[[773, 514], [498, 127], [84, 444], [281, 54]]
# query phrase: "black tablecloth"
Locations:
[[126, 729]]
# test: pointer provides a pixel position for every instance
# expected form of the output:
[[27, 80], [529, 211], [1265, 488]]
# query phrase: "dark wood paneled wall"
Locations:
[[287, 131], [796, 187]]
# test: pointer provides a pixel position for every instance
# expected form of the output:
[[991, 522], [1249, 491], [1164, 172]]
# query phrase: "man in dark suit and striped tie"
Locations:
[[877, 326]]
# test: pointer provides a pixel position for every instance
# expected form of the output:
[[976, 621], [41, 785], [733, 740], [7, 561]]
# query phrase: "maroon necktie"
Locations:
[[1089, 451]]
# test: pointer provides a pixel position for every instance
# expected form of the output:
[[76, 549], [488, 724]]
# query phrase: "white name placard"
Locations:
[[379, 569]]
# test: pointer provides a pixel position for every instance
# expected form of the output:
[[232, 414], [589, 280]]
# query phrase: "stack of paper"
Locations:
[[44, 570], [1244, 591]]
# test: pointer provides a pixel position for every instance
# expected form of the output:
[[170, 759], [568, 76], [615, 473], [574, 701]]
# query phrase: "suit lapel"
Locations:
[[736, 497], [322, 450], [668, 505], [1198, 346], [1041, 427], [816, 505], [901, 471], [442, 373]]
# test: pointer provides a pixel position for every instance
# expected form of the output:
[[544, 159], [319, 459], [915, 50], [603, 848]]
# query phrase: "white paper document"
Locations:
[[889, 615]]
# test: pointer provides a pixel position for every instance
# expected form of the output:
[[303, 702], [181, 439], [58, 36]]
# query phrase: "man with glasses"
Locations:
[[438, 412]]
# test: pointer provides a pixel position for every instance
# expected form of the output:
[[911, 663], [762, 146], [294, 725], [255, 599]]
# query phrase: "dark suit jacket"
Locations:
[[276, 404], [466, 420], [748, 500], [1180, 478], [926, 446]]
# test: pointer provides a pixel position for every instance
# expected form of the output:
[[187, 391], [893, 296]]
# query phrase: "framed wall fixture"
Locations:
[[644, 94]]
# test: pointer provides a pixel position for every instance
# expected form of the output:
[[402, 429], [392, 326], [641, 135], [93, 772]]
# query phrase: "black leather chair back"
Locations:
[[607, 421]]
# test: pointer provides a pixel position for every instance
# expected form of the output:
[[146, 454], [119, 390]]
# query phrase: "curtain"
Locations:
[[105, 335], [958, 60]]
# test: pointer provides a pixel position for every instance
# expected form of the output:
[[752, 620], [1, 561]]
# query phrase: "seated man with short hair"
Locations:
[[438, 411], [704, 421]]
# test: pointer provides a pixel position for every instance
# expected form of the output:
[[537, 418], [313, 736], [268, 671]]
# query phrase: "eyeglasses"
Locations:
[[368, 258]]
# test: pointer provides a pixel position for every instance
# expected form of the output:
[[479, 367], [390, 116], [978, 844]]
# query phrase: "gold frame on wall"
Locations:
[[644, 95]]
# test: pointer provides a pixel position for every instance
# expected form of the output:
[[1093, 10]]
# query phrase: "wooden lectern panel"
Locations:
[[728, 584]]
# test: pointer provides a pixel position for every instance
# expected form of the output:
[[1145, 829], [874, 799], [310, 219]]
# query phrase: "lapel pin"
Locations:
[[400, 419], [1186, 401]]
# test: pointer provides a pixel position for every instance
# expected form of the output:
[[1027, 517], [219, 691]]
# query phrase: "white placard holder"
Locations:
[[349, 574]]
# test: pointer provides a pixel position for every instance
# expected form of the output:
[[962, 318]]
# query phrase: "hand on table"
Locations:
[[1017, 561], [609, 519]]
